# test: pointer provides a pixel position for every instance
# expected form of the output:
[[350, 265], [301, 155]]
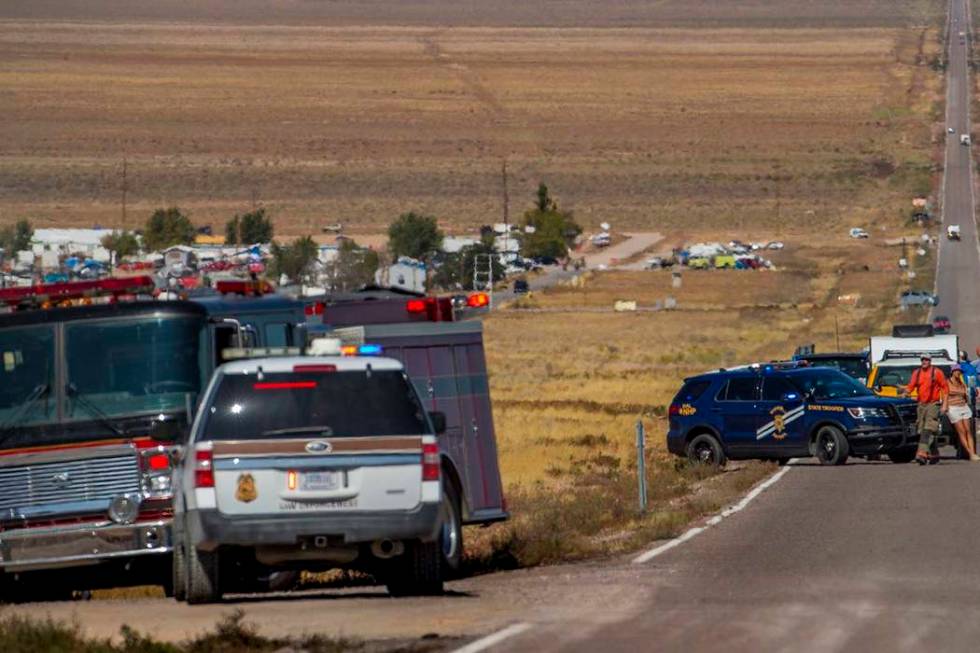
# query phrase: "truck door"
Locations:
[[738, 404], [780, 427]]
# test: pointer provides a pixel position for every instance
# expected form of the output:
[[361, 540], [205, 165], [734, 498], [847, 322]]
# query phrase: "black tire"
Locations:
[[902, 457], [451, 531], [203, 578], [417, 572], [830, 446], [705, 449], [178, 574], [782, 462]]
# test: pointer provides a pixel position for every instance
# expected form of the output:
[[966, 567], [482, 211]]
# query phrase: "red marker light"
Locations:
[[203, 469], [415, 306], [158, 462], [284, 385], [478, 300]]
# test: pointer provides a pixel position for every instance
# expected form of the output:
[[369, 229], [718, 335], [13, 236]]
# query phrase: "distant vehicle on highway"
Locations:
[[911, 298], [314, 462], [953, 232], [858, 232], [941, 324], [964, 139], [951, 130], [521, 287], [781, 411]]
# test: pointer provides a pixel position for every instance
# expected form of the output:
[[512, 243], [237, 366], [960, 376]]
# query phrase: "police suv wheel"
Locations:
[[203, 577], [705, 449], [830, 446], [451, 531]]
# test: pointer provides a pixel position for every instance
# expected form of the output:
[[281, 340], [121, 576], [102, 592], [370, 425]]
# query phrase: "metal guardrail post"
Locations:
[[641, 464]]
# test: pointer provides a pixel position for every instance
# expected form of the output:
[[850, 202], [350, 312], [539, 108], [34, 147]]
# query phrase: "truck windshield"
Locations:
[[332, 404], [822, 384], [895, 375], [27, 376], [131, 366]]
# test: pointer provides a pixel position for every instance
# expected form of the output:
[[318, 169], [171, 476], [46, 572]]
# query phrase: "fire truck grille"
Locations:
[[69, 482]]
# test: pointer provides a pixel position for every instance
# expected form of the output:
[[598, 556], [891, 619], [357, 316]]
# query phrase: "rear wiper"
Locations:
[[72, 391], [325, 431], [29, 401]]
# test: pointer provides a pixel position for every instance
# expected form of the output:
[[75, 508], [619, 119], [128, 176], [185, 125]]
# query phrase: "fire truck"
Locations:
[[97, 380]]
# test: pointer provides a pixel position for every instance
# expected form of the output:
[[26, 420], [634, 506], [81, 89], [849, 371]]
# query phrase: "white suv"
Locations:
[[313, 463]]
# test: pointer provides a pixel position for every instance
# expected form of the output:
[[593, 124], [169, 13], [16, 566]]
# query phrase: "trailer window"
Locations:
[[331, 404]]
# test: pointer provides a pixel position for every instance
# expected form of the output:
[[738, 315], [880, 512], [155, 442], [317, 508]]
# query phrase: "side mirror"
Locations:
[[167, 430], [438, 421]]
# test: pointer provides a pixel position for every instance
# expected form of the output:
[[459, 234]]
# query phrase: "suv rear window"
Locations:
[[691, 391], [329, 404]]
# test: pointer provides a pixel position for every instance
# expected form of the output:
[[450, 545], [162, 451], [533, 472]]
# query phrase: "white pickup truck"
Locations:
[[953, 232], [964, 139]]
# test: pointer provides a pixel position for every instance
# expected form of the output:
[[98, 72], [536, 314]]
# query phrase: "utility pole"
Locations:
[[483, 275], [506, 207], [124, 189]]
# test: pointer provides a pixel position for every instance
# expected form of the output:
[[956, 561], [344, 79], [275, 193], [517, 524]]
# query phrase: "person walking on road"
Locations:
[[930, 388], [956, 406]]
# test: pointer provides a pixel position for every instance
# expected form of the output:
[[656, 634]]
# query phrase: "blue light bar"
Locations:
[[369, 350]]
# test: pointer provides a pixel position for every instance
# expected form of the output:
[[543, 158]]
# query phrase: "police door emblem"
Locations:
[[246, 491], [779, 422]]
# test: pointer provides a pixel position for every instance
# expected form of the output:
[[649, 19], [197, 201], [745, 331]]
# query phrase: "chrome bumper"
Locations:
[[81, 544]]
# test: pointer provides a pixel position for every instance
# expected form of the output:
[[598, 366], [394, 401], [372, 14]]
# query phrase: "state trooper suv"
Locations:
[[313, 463], [783, 411]]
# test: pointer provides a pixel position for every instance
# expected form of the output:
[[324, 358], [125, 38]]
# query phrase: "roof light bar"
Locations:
[[50, 295]]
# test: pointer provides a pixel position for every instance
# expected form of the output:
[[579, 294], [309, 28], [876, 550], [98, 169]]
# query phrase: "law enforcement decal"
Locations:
[[780, 418], [246, 491], [832, 409]]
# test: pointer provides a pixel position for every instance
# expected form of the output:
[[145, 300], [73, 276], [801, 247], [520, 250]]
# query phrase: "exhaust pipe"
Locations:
[[385, 549]]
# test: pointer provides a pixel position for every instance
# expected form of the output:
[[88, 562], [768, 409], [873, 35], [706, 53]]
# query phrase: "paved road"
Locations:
[[959, 262]]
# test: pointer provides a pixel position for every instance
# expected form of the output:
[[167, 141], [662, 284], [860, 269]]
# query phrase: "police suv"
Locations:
[[783, 411], [313, 463]]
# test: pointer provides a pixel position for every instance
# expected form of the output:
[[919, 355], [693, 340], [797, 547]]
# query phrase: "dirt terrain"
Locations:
[[648, 128]]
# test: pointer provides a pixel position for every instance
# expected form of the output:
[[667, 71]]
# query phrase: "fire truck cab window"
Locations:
[[124, 367], [27, 375]]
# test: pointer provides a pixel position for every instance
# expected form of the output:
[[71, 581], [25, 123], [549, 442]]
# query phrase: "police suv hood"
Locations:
[[870, 401]]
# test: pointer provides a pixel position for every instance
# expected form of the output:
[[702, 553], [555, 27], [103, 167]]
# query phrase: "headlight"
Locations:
[[866, 413]]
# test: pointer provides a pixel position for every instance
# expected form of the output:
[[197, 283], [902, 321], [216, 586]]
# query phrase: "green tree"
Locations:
[[295, 260], [354, 267], [17, 238], [552, 231], [414, 235], [167, 227], [120, 244], [252, 227]]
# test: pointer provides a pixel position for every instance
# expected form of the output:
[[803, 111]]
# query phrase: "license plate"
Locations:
[[321, 481]]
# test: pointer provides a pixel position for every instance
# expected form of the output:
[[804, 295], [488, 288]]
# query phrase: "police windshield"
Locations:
[[131, 366], [312, 405], [823, 384]]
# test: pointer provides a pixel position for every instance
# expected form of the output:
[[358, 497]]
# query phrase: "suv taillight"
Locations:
[[430, 462], [155, 470], [675, 409], [203, 469]]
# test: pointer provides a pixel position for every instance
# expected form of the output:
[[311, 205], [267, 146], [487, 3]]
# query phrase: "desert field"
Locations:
[[718, 127]]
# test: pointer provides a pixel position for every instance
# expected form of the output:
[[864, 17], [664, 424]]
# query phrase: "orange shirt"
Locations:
[[930, 386]]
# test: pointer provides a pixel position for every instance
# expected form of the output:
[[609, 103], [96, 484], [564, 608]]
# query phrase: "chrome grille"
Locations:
[[67, 482]]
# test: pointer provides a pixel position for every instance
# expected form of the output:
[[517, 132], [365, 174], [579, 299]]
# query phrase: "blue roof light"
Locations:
[[369, 350]]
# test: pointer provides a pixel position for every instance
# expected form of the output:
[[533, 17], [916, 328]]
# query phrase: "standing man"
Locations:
[[930, 387]]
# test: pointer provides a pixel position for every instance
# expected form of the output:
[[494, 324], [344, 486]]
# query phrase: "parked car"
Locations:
[[941, 324], [521, 287], [783, 411], [858, 232], [918, 298], [307, 463]]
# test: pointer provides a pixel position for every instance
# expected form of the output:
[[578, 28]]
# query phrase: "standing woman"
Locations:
[[956, 406]]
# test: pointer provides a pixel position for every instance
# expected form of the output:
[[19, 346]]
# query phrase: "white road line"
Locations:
[[714, 521], [493, 639]]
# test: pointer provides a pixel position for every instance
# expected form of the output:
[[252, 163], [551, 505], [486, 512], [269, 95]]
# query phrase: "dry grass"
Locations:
[[780, 130]]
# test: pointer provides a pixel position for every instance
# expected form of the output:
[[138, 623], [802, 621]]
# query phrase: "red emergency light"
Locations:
[[435, 309], [50, 295], [478, 300], [247, 288], [313, 309]]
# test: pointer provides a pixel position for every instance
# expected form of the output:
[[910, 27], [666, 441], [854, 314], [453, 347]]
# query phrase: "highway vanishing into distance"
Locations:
[[867, 556]]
